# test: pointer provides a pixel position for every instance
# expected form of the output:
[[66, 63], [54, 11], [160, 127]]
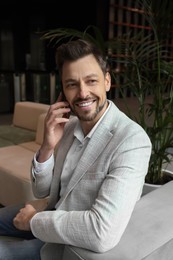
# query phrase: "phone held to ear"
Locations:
[[66, 115], [63, 98]]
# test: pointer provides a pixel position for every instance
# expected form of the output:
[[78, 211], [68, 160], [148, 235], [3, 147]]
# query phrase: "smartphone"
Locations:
[[66, 115], [63, 96]]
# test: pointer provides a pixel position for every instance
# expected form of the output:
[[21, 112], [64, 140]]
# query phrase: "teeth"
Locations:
[[85, 104]]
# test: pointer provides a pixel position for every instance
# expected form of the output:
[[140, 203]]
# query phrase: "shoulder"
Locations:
[[124, 127]]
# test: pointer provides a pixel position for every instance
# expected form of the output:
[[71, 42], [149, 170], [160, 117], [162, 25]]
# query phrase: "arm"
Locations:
[[53, 132], [41, 177], [43, 162], [101, 227], [53, 129]]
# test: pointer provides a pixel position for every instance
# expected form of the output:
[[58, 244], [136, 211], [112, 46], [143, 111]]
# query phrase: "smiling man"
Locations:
[[85, 86], [96, 176]]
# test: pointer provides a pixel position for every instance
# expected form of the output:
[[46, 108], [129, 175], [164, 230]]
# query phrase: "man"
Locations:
[[99, 169]]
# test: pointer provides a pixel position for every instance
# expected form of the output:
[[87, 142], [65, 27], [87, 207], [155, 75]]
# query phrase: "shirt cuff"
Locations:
[[38, 167]]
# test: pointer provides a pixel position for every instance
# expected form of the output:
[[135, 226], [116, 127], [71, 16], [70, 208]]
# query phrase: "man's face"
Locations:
[[85, 87]]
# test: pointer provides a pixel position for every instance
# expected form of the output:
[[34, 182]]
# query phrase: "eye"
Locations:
[[92, 81], [71, 85]]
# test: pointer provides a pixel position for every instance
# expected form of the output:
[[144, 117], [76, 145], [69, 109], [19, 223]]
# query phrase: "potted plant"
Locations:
[[139, 61], [148, 76]]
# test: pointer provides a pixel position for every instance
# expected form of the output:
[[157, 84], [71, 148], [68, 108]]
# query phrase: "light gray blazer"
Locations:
[[100, 197]]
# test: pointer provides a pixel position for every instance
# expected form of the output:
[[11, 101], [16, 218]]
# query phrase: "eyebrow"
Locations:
[[69, 80], [86, 77], [91, 75]]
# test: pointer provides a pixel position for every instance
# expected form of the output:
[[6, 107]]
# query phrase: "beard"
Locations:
[[87, 116]]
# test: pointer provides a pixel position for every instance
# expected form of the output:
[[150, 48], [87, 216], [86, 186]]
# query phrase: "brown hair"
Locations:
[[77, 49]]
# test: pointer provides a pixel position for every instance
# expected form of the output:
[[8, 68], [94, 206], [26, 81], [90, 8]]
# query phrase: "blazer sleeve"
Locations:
[[100, 228], [41, 180]]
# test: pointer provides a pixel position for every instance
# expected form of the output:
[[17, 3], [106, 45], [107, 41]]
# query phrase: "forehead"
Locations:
[[85, 65]]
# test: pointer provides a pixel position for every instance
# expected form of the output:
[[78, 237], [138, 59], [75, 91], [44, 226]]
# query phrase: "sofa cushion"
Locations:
[[4, 142], [26, 114], [40, 129], [35, 145], [11, 135], [15, 184], [32, 146]]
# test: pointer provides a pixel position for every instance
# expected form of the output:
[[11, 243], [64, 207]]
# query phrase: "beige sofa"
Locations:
[[24, 123], [148, 236], [15, 159]]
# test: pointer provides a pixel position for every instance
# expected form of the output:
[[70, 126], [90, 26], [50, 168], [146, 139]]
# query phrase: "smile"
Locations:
[[85, 104]]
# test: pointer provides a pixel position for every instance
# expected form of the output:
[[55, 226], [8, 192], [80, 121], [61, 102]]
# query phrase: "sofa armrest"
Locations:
[[148, 236], [26, 114], [40, 129]]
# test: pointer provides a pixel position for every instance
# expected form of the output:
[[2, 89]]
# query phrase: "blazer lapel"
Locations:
[[101, 137], [60, 157]]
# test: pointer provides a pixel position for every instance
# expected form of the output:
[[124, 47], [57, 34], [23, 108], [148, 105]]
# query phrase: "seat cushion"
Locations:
[[4, 142], [15, 135], [32, 146]]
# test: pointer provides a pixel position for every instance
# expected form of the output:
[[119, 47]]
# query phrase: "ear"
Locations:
[[107, 81]]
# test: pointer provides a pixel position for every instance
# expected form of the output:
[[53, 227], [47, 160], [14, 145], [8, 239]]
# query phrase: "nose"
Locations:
[[83, 90]]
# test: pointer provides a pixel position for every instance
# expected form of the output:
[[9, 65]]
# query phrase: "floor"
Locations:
[[6, 119]]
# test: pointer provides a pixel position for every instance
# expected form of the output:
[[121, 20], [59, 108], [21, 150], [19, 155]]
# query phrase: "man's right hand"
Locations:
[[53, 128]]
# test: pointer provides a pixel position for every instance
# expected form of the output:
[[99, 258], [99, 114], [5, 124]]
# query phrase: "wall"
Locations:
[[21, 50]]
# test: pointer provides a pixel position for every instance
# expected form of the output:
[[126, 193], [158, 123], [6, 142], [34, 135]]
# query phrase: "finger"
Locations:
[[59, 112], [58, 105]]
